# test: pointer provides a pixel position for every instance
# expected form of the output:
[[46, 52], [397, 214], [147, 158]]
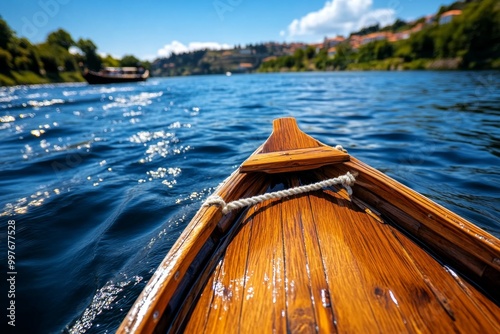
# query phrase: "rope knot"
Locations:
[[216, 200], [340, 148], [347, 181]]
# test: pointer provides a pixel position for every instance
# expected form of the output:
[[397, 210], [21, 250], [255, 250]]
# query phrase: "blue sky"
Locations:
[[152, 28]]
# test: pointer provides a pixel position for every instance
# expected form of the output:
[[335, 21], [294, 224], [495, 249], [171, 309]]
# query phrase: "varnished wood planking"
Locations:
[[228, 289], [435, 215], [199, 316], [348, 261], [323, 305], [263, 304], [469, 311], [352, 307], [374, 248], [288, 149], [299, 302], [153, 300], [293, 160], [450, 235], [391, 276], [484, 304], [391, 286], [248, 290], [287, 136]]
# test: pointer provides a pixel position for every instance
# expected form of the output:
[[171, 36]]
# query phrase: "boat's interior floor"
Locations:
[[319, 263]]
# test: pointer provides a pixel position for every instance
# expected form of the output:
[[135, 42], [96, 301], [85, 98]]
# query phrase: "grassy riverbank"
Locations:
[[399, 64], [30, 78], [24, 63]]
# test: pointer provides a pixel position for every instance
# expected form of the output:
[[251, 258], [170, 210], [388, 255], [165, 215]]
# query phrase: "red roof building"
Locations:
[[446, 17], [376, 36], [331, 42], [332, 51]]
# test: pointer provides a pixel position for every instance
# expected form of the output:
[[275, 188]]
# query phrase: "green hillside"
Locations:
[[470, 41], [24, 63]]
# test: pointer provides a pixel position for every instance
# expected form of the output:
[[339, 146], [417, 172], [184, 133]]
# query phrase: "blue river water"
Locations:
[[101, 180]]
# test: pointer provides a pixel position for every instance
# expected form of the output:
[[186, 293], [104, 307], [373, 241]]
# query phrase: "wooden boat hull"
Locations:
[[96, 78], [386, 259]]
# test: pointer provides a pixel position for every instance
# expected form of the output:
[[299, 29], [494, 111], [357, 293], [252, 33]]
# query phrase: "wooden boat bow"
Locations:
[[288, 149], [386, 260]]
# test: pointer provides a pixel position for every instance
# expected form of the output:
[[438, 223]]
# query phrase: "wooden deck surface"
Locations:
[[322, 262], [318, 263]]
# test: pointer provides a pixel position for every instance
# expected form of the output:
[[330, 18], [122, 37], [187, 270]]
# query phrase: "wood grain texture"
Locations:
[[204, 305], [299, 302], [287, 136], [376, 279], [293, 160], [355, 293], [263, 305], [234, 305], [148, 310], [453, 238], [321, 262], [228, 289], [454, 295], [316, 268]]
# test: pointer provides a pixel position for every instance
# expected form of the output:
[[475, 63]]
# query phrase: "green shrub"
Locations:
[[6, 81], [28, 78], [495, 64], [5, 61], [22, 63]]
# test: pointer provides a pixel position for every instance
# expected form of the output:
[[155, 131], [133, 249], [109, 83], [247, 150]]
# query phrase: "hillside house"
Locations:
[[448, 16], [376, 36]]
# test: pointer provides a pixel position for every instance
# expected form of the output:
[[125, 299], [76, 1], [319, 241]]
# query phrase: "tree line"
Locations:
[[22, 62], [469, 41]]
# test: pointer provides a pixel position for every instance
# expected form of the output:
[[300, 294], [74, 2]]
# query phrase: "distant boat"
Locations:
[[116, 75]]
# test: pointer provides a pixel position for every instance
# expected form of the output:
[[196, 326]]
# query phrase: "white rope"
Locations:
[[340, 148], [346, 180]]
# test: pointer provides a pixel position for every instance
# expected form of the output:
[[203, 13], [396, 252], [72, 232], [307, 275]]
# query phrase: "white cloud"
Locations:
[[177, 47], [340, 17], [74, 50], [383, 17], [149, 57]]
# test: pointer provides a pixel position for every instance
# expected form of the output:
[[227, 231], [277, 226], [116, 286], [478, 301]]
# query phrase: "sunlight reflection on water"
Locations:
[[107, 172]]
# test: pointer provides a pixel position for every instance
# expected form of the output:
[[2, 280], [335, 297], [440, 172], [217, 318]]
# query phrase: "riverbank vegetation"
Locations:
[[58, 59], [470, 41]]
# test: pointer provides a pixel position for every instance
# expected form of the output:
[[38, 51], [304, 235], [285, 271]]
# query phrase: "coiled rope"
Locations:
[[346, 180]]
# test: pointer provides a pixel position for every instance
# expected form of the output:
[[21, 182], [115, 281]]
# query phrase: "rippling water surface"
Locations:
[[101, 180]]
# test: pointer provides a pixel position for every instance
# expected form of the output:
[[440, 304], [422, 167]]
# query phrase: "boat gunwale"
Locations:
[[161, 287], [473, 251], [168, 276]]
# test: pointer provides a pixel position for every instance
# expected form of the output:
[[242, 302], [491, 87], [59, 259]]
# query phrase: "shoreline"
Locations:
[[48, 81], [398, 64], [23, 78]]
